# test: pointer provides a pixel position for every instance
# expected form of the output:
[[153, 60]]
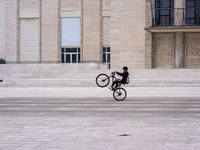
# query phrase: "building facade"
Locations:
[[141, 34]]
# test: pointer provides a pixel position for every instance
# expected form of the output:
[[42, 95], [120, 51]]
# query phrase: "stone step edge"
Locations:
[[133, 80]]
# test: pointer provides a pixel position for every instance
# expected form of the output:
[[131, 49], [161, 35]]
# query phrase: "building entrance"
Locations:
[[70, 55]]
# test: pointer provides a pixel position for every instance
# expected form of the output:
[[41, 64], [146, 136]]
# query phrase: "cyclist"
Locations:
[[124, 75]]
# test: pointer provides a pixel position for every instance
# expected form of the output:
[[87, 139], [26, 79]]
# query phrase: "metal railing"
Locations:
[[164, 17]]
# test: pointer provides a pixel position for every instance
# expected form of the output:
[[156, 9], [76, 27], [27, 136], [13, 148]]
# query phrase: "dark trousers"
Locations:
[[116, 82]]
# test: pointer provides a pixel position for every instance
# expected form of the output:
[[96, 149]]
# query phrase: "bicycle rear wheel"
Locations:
[[102, 80], [119, 94]]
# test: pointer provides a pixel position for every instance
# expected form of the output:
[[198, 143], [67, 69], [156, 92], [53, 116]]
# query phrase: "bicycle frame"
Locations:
[[114, 78]]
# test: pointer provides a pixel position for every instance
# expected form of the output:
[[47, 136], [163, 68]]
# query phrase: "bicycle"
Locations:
[[103, 80]]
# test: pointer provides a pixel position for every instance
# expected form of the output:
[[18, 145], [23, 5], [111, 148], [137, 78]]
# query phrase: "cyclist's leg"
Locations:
[[117, 84], [117, 81], [122, 82]]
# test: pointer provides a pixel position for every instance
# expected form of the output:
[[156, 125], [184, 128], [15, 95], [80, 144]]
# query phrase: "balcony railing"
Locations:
[[169, 17]]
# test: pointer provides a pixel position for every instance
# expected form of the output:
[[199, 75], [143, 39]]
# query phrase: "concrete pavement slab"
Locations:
[[42, 119], [97, 92]]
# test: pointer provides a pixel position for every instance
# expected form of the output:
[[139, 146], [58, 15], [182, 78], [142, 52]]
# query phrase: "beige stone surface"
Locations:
[[84, 75], [148, 37], [11, 30], [92, 30], [179, 50], [106, 8], [192, 50], [164, 50], [50, 27], [29, 8], [70, 5], [106, 4], [2, 29], [71, 8], [127, 33]]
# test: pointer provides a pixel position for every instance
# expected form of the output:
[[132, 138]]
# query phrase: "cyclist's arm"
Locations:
[[120, 74]]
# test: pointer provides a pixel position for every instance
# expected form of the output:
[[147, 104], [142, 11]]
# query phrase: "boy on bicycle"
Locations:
[[124, 75]]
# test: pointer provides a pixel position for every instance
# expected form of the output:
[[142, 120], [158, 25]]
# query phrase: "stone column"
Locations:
[[92, 24], [179, 13], [148, 36], [179, 36], [179, 50], [50, 30]]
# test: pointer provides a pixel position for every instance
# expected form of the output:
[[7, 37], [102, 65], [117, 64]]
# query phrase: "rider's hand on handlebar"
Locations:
[[114, 72]]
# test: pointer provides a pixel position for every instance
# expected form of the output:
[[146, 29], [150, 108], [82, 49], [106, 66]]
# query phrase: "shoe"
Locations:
[[111, 88]]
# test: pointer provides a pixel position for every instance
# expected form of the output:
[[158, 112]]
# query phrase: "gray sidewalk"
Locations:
[[97, 92], [90, 119], [99, 133]]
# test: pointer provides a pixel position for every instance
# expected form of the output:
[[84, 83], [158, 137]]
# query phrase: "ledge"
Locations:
[[173, 29]]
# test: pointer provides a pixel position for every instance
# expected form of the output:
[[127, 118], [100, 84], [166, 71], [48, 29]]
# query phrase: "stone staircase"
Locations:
[[84, 75], [166, 77]]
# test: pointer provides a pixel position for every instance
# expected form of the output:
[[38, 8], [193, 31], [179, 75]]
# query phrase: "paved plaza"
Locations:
[[58, 119]]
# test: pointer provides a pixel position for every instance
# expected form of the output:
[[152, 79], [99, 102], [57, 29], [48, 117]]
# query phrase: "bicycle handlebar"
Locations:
[[113, 74]]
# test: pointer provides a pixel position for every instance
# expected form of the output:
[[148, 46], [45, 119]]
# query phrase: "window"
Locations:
[[70, 55], [164, 12], [106, 55], [106, 40], [70, 40], [193, 12]]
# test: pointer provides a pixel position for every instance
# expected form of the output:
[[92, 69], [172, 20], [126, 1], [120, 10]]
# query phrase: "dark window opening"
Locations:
[[70, 55], [68, 58], [164, 12], [192, 12], [106, 55]]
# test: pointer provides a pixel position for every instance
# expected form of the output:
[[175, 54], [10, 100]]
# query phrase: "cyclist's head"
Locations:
[[125, 68]]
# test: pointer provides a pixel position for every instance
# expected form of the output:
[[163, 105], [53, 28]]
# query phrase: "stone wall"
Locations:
[[106, 4], [127, 33], [2, 29], [50, 30], [92, 30], [71, 8], [29, 8], [67, 5], [148, 36], [192, 50], [164, 50], [11, 30]]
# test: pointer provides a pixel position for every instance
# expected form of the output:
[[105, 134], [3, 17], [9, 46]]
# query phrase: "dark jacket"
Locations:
[[124, 76]]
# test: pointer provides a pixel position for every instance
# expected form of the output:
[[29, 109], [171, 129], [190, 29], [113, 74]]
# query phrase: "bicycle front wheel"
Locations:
[[119, 94], [102, 80]]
